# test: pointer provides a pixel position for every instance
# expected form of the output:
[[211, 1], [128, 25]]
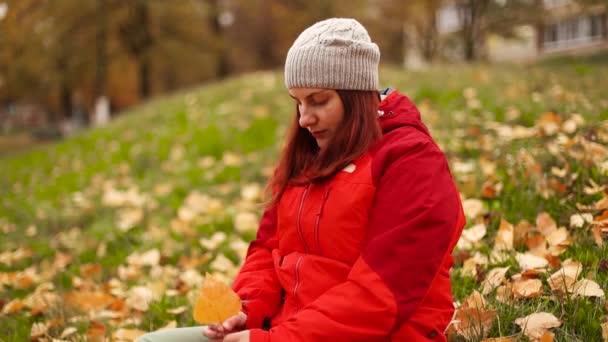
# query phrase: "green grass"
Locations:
[[59, 188]]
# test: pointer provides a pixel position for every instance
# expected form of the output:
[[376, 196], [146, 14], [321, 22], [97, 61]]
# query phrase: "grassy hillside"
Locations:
[[110, 232]]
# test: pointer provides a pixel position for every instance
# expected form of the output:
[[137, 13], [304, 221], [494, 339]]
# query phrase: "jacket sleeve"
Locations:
[[410, 231], [257, 284]]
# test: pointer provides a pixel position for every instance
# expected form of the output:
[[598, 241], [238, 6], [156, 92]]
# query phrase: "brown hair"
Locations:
[[302, 162]]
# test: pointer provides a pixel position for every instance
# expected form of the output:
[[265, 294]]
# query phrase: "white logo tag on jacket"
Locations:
[[350, 168]]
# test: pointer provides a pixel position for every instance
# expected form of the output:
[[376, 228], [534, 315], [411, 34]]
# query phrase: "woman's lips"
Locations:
[[318, 134]]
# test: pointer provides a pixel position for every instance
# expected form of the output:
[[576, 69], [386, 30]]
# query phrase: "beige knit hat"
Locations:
[[335, 53]]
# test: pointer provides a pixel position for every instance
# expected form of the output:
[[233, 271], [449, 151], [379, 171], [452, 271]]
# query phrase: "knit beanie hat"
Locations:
[[335, 53]]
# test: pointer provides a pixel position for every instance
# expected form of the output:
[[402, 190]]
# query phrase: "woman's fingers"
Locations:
[[214, 331], [235, 322]]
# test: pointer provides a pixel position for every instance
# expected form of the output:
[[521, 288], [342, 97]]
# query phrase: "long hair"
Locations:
[[302, 161]]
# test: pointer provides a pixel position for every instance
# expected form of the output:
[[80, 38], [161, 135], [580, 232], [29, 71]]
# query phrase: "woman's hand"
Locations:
[[232, 324], [242, 336]]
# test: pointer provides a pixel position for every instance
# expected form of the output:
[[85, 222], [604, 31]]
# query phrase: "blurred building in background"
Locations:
[[565, 27]]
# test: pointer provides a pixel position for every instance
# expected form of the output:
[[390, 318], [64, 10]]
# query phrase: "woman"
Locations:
[[356, 243]]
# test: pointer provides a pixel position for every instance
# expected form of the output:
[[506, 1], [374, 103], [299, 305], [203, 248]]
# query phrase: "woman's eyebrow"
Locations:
[[309, 95]]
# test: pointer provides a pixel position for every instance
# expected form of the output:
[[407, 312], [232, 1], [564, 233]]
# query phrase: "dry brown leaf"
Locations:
[[13, 306], [537, 244], [579, 220], [527, 288], [596, 230], [178, 310], [471, 236], [473, 207], [520, 233], [559, 237], [563, 280], [605, 331], [545, 224], [216, 303], [504, 236], [474, 300], [170, 325], [494, 278], [504, 293], [471, 323], [529, 261], [536, 324], [38, 330], [547, 337], [96, 332], [501, 339], [127, 334], [587, 288], [90, 270], [87, 301], [68, 331], [139, 298]]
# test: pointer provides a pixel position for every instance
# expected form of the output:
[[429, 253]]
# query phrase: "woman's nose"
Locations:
[[307, 118]]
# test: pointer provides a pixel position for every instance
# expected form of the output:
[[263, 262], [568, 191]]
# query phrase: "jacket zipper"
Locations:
[[318, 220], [299, 222], [297, 285]]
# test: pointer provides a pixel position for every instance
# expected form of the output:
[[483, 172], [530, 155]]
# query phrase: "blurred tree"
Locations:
[[479, 18], [411, 26]]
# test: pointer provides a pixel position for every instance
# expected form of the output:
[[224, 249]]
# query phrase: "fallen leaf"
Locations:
[[528, 261], [245, 222], [38, 330], [473, 207], [471, 236], [216, 302], [87, 301], [13, 306], [68, 331], [605, 331], [494, 278], [547, 337], [563, 280], [178, 310], [545, 224], [500, 339], [504, 236], [96, 332], [471, 323], [520, 233], [527, 288], [536, 324], [587, 288], [474, 300], [90, 270], [579, 220], [127, 334], [139, 298]]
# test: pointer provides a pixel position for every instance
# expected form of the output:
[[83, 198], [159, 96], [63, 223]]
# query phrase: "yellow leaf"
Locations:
[[87, 301], [216, 303]]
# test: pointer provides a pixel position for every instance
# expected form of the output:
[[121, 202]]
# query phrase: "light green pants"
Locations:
[[191, 334]]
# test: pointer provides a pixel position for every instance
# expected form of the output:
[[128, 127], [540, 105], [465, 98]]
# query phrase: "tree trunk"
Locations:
[[223, 68], [100, 50]]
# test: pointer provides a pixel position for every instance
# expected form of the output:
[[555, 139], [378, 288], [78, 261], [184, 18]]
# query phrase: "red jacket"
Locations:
[[364, 256]]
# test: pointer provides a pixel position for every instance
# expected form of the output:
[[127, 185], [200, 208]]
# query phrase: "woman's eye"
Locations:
[[321, 103]]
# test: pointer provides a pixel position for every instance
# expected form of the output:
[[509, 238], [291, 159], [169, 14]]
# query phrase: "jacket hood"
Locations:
[[396, 110]]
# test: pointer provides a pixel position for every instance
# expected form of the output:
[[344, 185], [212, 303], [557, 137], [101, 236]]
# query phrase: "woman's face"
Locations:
[[321, 112]]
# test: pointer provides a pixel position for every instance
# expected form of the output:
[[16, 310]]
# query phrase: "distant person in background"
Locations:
[[356, 243]]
